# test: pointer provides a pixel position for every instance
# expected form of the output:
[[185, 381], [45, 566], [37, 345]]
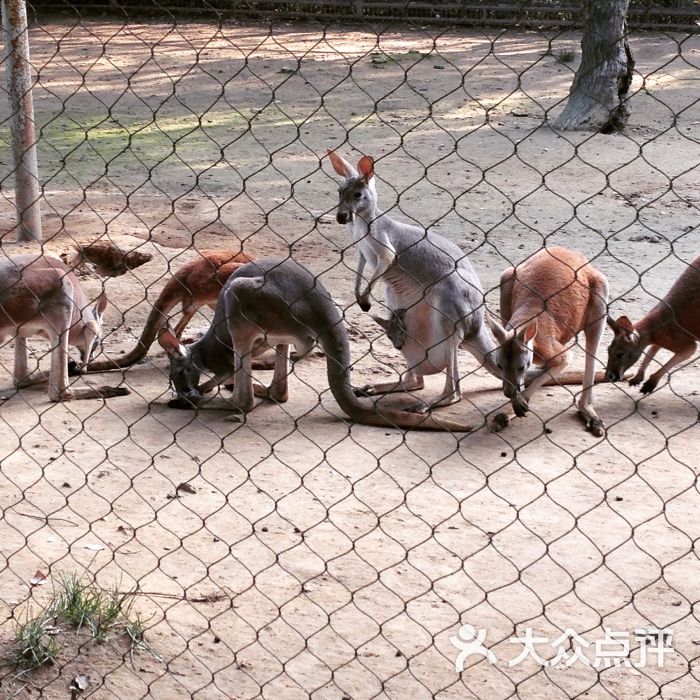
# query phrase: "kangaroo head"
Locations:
[[357, 195], [184, 374], [395, 327], [624, 350], [88, 339], [514, 355]]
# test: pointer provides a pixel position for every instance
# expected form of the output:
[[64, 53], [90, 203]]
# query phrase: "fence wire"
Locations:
[[293, 552]]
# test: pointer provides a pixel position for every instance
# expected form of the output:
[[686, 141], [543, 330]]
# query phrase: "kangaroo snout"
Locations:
[[187, 401], [612, 376], [343, 217]]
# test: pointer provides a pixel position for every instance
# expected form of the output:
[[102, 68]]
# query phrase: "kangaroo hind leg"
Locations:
[[595, 325]]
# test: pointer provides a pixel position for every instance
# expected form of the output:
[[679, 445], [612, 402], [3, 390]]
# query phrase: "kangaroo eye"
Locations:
[[521, 368], [357, 195]]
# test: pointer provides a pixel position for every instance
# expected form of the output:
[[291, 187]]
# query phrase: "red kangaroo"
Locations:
[[40, 295], [546, 302], [673, 324], [197, 283]]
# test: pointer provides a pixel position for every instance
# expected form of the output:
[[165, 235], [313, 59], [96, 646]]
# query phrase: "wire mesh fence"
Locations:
[[292, 551]]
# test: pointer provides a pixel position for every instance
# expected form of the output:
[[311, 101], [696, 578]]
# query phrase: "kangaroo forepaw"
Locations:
[[366, 390], [365, 304], [649, 386], [499, 422], [636, 379], [520, 406]]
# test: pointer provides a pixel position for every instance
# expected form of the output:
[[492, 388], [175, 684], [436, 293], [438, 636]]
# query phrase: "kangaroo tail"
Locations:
[[576, 377], [365, 411], [370, 414], [156, 320]]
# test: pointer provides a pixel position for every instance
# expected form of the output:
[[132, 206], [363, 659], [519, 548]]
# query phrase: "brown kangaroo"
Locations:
[[197, 283], [40, 295], [546, 302], [673, 324]]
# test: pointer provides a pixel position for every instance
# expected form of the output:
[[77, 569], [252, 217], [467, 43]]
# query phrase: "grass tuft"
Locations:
[[566, 56], [99, 613], [36, 642]]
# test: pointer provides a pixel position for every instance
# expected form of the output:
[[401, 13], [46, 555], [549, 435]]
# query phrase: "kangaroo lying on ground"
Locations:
[[546, 302], [275, 302], [196, 284], [40, 295], [673, 324], [431, 288]]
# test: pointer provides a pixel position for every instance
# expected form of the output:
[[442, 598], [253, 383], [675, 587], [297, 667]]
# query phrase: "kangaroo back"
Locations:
[[554, 287], [678, 311]]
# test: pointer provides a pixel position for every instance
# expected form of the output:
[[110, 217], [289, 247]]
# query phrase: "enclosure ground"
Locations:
[[314, 556]]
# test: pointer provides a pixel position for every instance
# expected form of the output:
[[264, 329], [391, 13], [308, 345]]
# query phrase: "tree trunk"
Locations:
[[598, 95], [22, 136]]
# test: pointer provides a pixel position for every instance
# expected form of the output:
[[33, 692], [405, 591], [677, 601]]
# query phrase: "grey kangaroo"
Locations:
[[432, 291], [275, 302]]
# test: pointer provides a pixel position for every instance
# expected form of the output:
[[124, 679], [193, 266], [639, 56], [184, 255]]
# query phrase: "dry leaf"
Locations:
[[187, 488], [78, 684], [39, 578], [95, 547]]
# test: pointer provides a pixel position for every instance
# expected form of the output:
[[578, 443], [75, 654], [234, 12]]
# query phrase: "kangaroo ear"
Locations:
[[383, 322], [100, 305], [497, 329], [624, 323], [341, 166], [366, 167], [526, 334], [169, 342]]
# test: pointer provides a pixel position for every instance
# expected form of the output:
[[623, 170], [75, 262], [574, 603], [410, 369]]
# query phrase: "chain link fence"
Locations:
[[154, 552]]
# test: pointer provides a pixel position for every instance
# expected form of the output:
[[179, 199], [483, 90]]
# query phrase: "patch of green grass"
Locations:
[[88, 607], [36, 642], [566, 56], [101, 614]]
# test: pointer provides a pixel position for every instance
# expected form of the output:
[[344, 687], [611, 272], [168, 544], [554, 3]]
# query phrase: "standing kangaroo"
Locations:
[[673, 324], [40, 295], [197, 283], [432, 291], [546, 302], [275, 302]]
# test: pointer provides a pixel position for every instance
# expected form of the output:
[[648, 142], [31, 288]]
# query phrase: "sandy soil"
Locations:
[[317, 557]]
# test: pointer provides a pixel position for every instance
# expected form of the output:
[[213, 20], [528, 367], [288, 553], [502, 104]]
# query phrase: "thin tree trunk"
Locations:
[[22, 136], [598, 95]]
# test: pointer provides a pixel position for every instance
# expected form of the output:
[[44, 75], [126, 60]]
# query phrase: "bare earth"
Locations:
[[318, 557]]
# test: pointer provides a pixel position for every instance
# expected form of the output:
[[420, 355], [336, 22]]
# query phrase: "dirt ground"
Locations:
[[315, 557]]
